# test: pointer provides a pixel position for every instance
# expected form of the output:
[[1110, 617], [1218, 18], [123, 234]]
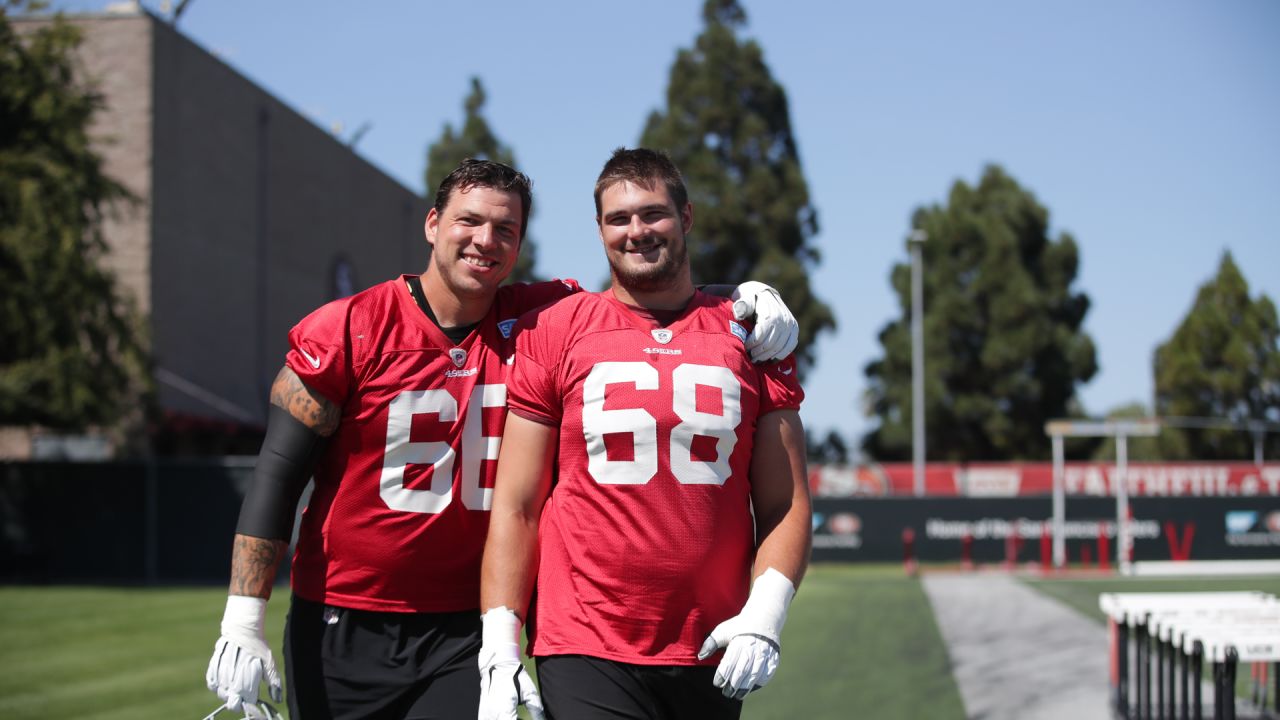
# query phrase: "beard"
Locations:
[[657, 276]]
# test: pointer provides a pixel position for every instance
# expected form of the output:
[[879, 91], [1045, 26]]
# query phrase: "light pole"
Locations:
[[916, 242]]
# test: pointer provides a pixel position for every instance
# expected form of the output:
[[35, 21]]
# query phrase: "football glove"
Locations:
[[776, 332], [752, 637], [241, 658], [504, 683]]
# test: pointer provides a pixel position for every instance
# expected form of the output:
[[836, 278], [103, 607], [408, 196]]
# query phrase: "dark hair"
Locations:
[[488, 174], [643, 167]]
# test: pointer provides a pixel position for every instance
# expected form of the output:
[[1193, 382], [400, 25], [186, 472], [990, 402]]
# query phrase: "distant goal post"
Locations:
[[1121, 430]]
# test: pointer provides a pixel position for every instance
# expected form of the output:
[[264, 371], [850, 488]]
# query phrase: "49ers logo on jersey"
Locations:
[[458, 356]]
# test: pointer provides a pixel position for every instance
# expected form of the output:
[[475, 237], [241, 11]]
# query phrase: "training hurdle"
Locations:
[[1175, 631], [1224, 636]]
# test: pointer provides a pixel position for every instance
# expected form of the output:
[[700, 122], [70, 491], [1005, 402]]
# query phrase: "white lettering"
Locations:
[[837, 541], [1271, 476]]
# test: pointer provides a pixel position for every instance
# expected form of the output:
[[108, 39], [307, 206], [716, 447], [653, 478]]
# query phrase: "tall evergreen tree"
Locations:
[[476, 140], [1223, 362], [1004, 349], [727, 126], [72, 349]]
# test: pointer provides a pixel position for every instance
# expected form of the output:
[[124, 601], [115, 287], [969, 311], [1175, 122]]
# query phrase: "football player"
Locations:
[[651, 485], [395, 399]]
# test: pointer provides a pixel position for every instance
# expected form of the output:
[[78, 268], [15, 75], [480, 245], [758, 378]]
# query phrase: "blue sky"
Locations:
[[1150, 129]]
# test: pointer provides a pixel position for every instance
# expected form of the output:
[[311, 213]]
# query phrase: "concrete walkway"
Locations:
[[1018, 654]]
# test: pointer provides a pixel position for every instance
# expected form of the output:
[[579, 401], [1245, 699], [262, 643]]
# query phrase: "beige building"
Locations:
[[251, 215]]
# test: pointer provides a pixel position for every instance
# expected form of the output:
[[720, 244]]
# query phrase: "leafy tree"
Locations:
[[728, 128], [1004, 349], [830, 450], [72, 349], [1223, 362], [476, 140]]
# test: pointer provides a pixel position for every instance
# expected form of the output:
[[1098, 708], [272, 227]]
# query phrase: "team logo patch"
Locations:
[[662, 335], [738, 330], [505, 326], [458, 356]]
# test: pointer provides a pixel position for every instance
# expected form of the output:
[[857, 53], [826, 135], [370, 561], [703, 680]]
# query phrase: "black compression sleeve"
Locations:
[[284, 465]]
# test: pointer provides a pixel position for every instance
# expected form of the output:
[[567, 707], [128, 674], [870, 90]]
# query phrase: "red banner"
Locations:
[[1184, 479]]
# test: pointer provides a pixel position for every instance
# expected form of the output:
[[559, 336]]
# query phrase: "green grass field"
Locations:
[[860, 642]]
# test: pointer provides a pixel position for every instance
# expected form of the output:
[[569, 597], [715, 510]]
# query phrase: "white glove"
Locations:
[[241, 658], [777, 332], [752, 637], [504, 683]]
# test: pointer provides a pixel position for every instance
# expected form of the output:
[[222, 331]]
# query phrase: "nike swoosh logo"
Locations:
[[315, 361], [785, 371]]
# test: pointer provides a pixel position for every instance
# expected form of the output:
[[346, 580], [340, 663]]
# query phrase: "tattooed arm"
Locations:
[[254, 562], [308, 406], [297, 422], [254, 559]]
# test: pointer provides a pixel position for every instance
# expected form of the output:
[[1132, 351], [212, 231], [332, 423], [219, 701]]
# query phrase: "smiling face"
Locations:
[[475, 242], [644, 238]]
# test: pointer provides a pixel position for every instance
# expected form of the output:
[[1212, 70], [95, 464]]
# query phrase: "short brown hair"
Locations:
[[489, 174], [642, 166]]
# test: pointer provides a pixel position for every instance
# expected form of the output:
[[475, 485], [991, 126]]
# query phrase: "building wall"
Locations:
[[116, 57], [248, 209]]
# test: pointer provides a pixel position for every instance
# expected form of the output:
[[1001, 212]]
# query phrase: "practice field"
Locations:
[[861, 641]]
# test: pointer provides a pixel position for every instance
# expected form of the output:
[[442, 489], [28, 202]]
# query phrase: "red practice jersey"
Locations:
[[399, 513], [647, 538]]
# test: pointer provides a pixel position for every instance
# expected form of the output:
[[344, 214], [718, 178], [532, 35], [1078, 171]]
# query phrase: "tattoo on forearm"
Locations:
[[253, 565], [310, 408]]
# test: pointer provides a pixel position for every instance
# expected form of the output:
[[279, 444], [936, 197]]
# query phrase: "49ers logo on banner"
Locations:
[[1273, 522]]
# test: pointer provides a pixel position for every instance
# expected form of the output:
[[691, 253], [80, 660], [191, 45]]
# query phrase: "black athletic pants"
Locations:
[[345, 664], [578, 687]]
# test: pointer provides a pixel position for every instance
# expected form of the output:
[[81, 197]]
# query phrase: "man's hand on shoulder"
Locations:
[[777, 332]]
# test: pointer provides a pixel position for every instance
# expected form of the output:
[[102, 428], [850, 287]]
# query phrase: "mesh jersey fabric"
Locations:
[[647, 537], [399, 512]]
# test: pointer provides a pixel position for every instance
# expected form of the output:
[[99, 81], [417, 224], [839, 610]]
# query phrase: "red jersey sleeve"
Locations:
[[532, 391], [318, 352], [535, 295], [779, 386]]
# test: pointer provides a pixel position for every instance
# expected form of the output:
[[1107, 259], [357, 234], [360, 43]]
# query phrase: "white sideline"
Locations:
[[1166, 568]]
